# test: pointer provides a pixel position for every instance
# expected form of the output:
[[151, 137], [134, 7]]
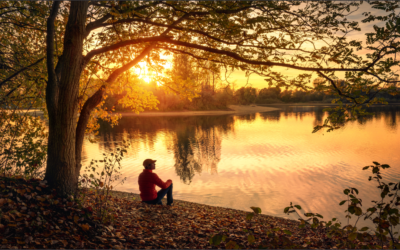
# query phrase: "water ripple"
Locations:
[[266, 160]]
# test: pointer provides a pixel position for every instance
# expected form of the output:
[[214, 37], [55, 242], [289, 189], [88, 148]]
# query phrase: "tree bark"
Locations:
[[61, 99], [66, 132]]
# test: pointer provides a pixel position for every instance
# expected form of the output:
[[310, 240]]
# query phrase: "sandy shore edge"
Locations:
[[235, 109], [179, 203]]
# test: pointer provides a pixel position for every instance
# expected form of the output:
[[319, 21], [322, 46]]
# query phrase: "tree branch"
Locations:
[[129, 65], [100, 22], [95, 52], [52, 83], [20, 71], [266, 63], [96, 98], [172, 26], [337, 89], [89, 105], [50, 41]]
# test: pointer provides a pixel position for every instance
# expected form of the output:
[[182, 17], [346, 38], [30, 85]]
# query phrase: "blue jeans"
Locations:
[[160, 195]]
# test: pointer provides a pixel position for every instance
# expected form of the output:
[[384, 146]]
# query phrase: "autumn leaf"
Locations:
[[251, 239], [230, 245], [85, 227]]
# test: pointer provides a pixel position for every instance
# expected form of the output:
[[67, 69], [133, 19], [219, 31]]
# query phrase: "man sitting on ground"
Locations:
[[147, 183]]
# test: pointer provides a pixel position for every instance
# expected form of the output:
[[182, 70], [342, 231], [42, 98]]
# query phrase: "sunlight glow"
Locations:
[[146, 73]]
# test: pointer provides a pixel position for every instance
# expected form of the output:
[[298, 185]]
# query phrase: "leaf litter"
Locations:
[[33, 217]]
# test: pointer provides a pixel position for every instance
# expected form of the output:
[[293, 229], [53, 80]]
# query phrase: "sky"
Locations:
[[258, 81], [239, 79]]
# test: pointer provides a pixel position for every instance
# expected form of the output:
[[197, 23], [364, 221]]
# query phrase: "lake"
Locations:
[[265, 159]]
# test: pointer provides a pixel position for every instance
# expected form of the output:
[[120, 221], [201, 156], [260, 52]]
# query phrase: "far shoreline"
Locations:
[[234, 110]]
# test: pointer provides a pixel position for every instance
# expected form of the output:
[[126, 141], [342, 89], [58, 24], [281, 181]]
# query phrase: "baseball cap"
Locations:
[[148, 162]]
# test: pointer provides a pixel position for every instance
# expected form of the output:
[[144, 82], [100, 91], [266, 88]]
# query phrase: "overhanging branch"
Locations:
[[95, 52], [20, 71]]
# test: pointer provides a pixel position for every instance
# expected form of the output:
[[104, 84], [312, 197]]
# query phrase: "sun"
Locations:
[[147, 79], [146, 74]]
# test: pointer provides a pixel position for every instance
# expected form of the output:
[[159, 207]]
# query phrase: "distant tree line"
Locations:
[[203, 89], [211, 98]]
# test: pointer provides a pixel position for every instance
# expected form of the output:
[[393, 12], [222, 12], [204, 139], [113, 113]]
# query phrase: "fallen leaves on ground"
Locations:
[[33, 216]]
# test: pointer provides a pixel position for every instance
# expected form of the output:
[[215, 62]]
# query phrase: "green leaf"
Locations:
[[286, 210], [238, 246], [364, 229], [216, 240], [297, 206], [287, 232], [358, 211], [346, 191], [256, 210], [342, 202], [251, 239], [352, 236], [376, 163], [249, 216], [394, 211], [394, 220], [364, 168]]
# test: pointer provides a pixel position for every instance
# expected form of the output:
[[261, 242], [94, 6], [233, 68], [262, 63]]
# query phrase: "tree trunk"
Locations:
[[66, 131], [62, 102]]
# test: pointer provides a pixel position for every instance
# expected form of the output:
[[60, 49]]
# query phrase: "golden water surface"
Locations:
[[265, 159]]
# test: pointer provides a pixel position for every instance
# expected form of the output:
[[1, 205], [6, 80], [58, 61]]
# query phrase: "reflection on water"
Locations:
[[194, 141], [267, 159]]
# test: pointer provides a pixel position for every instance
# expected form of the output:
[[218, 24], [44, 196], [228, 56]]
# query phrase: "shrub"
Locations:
[[23, 145], [99, 182]]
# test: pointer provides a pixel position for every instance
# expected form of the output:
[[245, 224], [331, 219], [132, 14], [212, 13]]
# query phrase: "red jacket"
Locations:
[[147, 184]]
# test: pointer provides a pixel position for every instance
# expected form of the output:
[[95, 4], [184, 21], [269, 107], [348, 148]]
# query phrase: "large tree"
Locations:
[[79, 40]]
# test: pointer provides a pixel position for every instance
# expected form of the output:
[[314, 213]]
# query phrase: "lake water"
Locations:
[[265, 159]]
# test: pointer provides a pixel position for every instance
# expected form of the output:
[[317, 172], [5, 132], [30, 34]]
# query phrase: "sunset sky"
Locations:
[[258, 81], [239, 79]]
